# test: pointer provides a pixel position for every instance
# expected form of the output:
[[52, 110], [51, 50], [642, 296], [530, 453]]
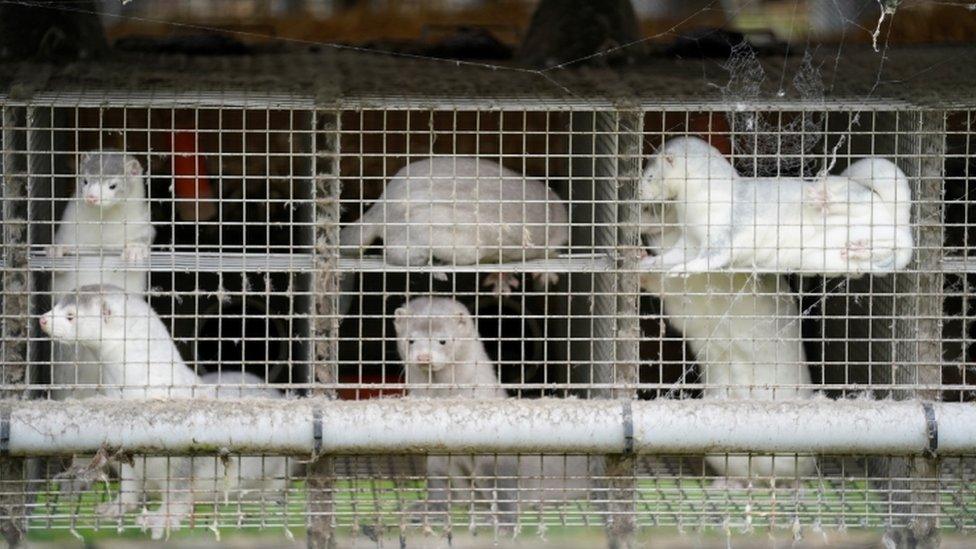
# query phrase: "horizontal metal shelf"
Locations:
[[178, 262], [959, 265], [162, 261], [570, 263], [262, 262]]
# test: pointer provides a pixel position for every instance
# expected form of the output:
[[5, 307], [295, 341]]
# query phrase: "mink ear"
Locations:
[[669, 159], [106, 311], [132, 166], [399, 316], [83, 159]]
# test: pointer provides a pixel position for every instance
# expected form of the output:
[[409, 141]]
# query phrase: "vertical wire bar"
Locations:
[[40, 169], [627, 162], [605, 290], [325, 320], [617, 175], [13, 347], [918, 312]]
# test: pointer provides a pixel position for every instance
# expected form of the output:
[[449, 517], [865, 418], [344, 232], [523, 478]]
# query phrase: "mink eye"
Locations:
[[443, 342], [84, 182], [410, 342], [113, 185], [70, 316]]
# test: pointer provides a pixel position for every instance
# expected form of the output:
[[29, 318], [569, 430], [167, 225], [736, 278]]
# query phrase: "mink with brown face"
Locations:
[[440, 346], [109, 212]]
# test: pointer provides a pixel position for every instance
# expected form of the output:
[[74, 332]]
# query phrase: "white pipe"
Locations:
[[418, 425], [545, 425], [80, 426], [809, 426], [957, 428]]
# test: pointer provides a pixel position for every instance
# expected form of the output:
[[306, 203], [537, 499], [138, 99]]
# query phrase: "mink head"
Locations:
[[664, 169], [89, 315], [652, 185], [434, 333], [106, 179], [682, 163]]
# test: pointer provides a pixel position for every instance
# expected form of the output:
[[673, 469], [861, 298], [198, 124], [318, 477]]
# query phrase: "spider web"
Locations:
[[766, 144]]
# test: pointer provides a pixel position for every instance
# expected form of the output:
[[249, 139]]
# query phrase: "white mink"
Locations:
[[784, 224], [441, 347], [461, 211], [109, 214], [125, 333], [745, 334]]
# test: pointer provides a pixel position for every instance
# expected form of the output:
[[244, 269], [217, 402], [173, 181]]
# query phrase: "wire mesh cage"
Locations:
[[381, 316]]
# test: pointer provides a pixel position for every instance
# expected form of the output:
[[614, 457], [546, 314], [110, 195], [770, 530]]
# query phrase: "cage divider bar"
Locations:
[[324, 322], [17, 136], [617, 173], [919, 312], [909, 354]]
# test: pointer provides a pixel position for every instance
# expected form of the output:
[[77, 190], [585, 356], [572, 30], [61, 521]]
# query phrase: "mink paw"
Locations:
[[55, 250], [819, 198], [501, 283], [544, 280], [158, 523], [649, 262], [857, 250], [135, 252]]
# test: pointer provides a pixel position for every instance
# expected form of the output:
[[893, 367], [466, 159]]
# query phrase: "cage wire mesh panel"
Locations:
[[193, 230], [454, 304], [766, 336]]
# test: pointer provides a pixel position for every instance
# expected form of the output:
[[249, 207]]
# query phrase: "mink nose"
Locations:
[[91, 199], [43, 322], [423, 358]]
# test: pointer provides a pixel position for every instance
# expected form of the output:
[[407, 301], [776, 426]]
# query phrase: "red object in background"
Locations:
[[189, 169], [363, 393]]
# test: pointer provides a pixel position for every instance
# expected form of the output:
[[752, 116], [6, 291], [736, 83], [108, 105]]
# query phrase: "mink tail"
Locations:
[[887, 181]]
